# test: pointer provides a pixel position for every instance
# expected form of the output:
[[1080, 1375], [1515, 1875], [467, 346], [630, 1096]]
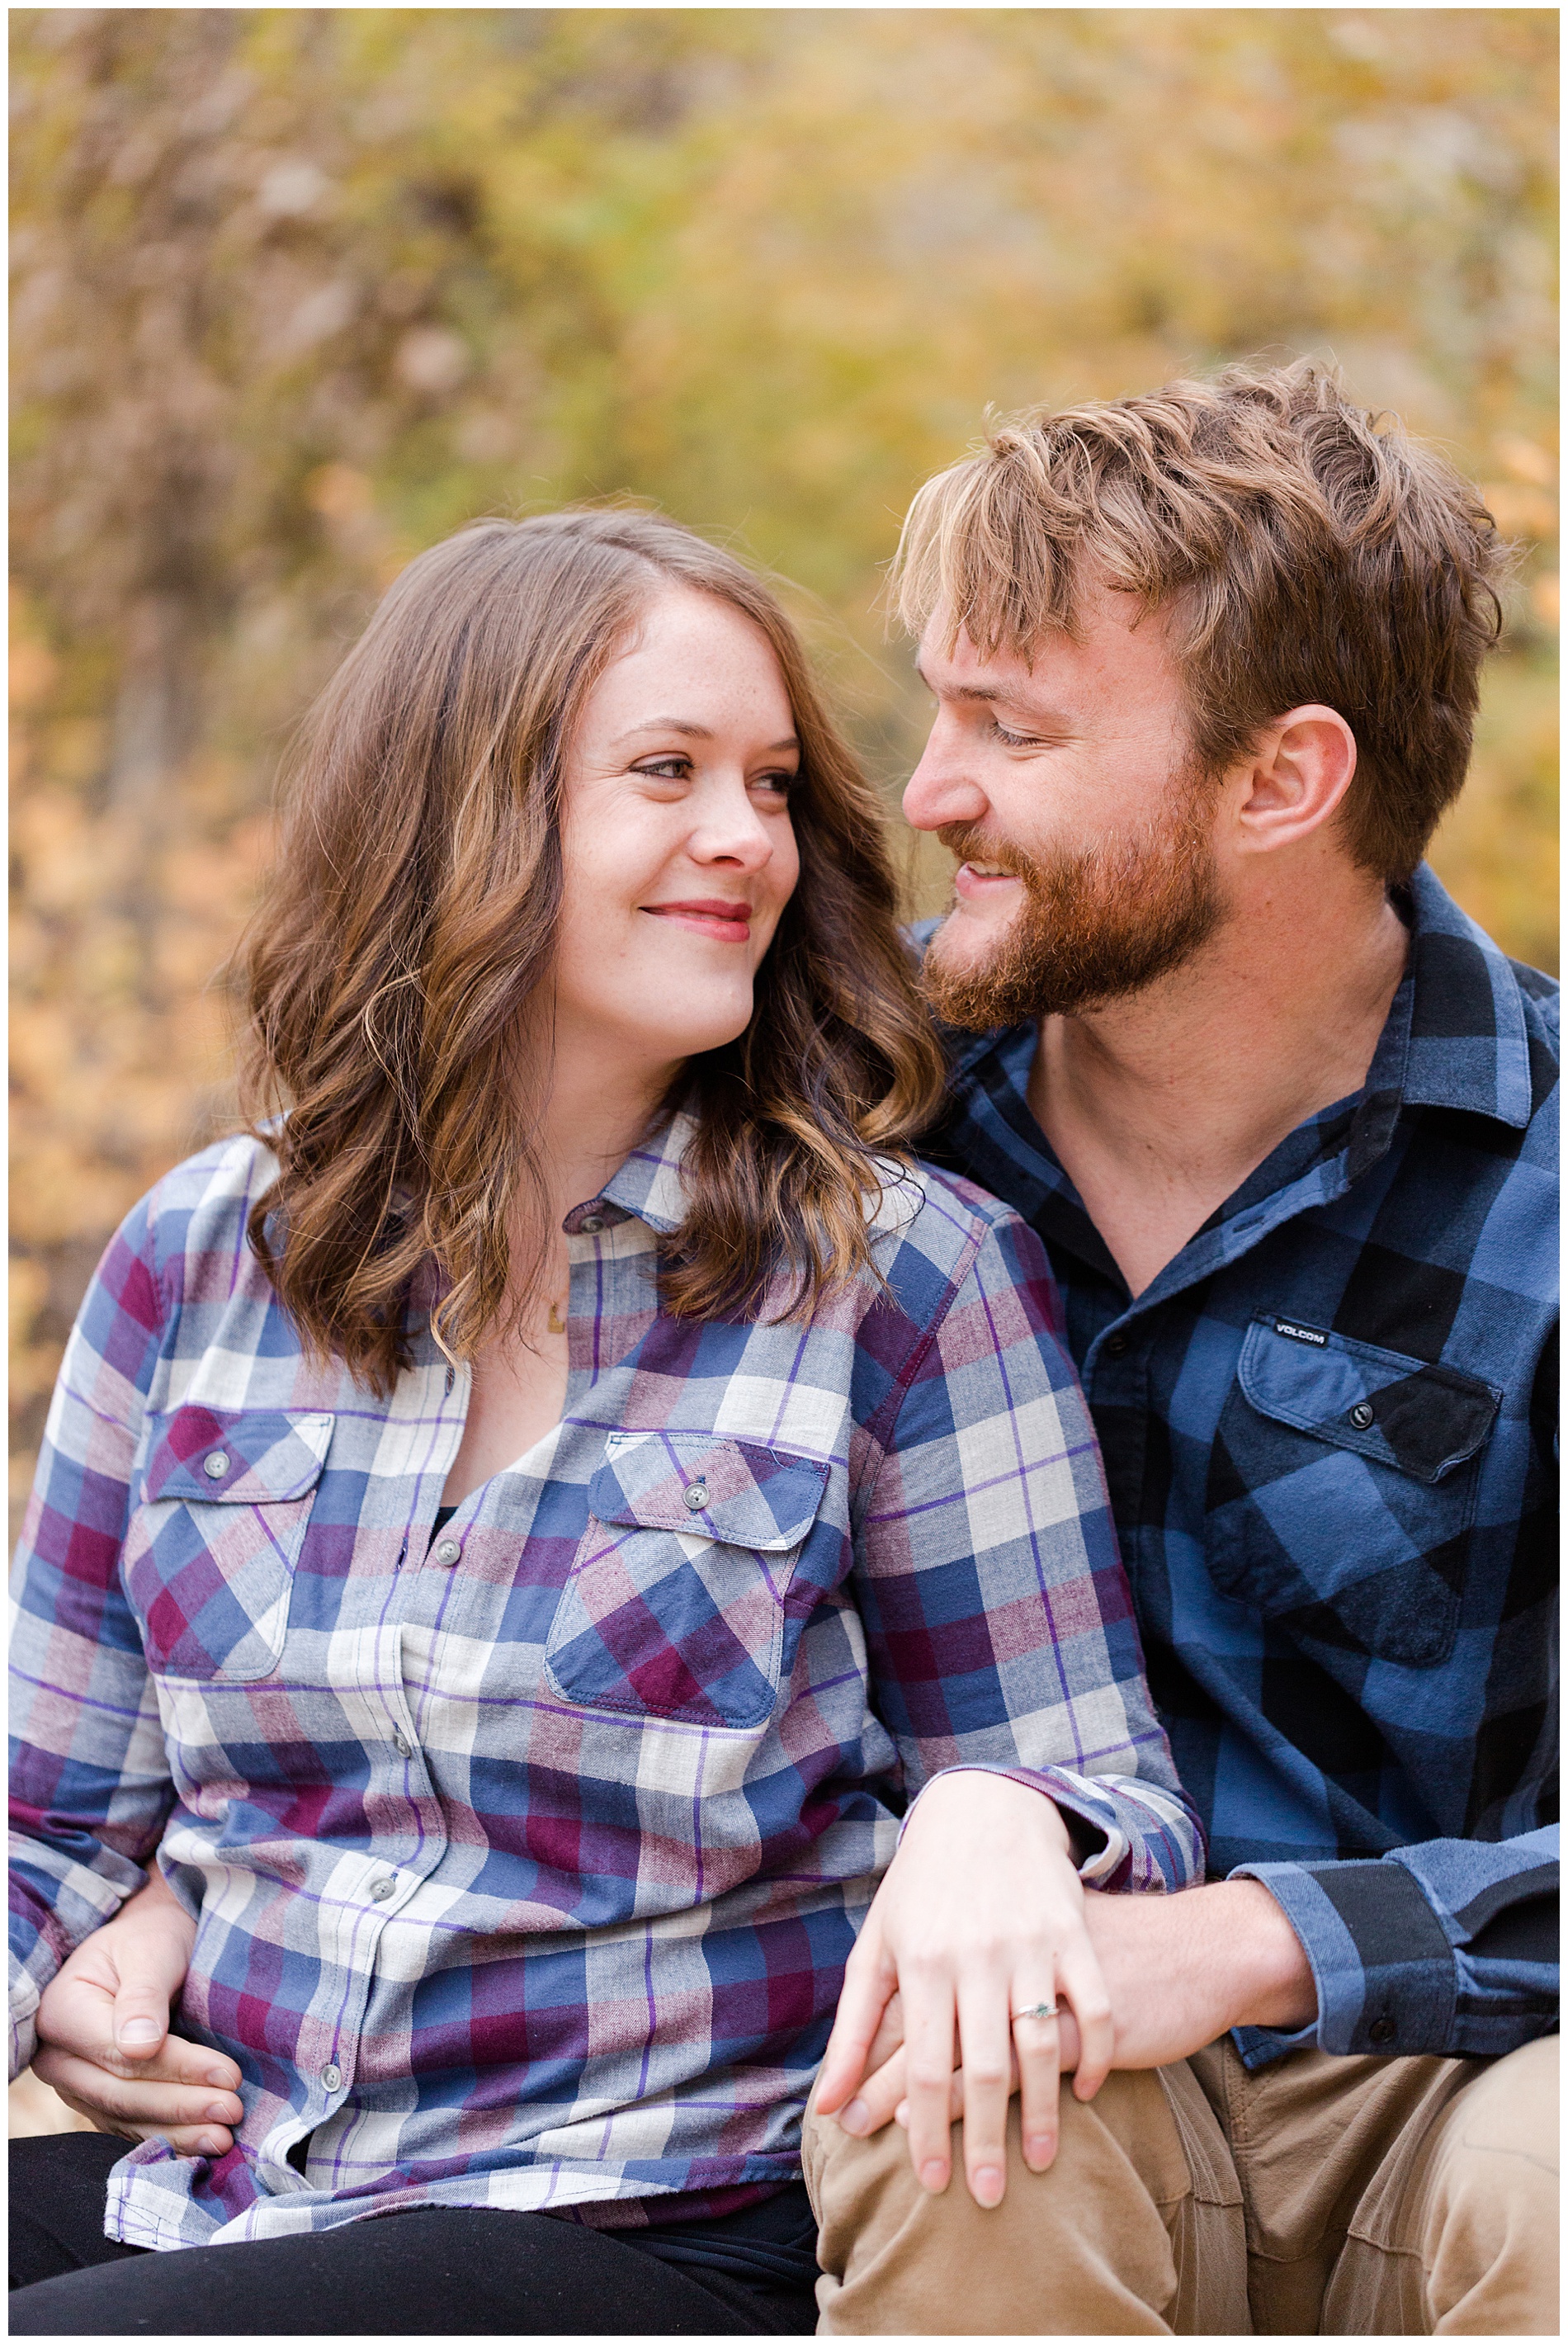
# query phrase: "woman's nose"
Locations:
[[733, 832]]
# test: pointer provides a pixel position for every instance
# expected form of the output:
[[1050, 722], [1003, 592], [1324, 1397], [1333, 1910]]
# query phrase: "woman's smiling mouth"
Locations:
[[728, 923]]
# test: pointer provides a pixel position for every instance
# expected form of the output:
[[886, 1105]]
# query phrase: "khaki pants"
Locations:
[[1318, 2197]]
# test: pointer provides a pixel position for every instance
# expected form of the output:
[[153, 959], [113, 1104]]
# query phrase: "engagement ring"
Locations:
[[1037, 2010]]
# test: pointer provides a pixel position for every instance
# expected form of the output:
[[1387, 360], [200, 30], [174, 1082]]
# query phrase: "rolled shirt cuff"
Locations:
[[1090, 1814], [25, 1998], [1380, 1957]]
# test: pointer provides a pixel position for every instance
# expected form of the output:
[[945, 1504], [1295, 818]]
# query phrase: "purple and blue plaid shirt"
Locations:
[[527, 1853]]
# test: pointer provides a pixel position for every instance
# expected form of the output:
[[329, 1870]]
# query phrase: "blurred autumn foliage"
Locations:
[[299, 291]]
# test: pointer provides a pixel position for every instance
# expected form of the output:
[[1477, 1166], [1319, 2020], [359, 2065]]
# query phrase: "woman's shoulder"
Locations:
[[969, 1281], [201, 1205], [182, 1245], [944, 1217]]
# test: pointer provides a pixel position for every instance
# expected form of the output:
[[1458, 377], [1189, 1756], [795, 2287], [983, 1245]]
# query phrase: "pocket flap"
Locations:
[[1422, 1419], [733, 1490], [246, 1457]]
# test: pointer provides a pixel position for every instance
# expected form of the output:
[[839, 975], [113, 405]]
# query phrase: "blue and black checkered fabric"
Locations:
[[1328, 1428]]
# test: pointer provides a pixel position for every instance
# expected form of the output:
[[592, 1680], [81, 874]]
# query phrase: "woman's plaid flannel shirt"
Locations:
[[528, 1857]]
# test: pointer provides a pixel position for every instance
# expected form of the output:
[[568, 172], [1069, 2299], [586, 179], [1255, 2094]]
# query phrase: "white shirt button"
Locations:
[[696, 1497], [402, 1745], [381, 1889], [591, 1226], [215, 1466], [447, 1551], [331, 2077]]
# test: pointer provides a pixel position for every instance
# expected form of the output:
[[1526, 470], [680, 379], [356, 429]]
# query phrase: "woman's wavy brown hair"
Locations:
[[390, 1057]]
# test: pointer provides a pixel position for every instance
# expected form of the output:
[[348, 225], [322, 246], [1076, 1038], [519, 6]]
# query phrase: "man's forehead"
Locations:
[[959, 671], [960, 667], [956, 669]]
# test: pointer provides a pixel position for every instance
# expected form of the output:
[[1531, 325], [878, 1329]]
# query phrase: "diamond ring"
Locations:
[[1037, 2010]]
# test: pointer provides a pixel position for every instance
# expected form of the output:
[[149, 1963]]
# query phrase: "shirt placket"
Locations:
[[366, 1890], [366, 1893]]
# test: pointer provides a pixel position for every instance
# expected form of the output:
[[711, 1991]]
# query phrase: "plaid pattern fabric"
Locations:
[[1329, 1433], [528, 1854]]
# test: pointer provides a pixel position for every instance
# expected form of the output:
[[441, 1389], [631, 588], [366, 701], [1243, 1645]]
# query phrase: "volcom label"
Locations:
[[1300, 1334]]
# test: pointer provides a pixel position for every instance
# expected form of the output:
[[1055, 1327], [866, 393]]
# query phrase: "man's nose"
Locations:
[[939, 791]]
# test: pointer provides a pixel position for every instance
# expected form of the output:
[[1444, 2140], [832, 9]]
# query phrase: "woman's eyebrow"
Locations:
[[694, 732]]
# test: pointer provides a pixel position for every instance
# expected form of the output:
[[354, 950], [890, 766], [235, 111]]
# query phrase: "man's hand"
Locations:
[[104, 2042], [979, 1920], [1181, 1971]]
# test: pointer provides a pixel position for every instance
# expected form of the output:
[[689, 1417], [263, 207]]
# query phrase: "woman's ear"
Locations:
[[1299, 773]]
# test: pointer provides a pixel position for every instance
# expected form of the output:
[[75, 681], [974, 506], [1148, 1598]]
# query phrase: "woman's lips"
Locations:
[[729, 923]]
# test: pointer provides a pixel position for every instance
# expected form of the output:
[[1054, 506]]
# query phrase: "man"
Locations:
[[1205, 666]]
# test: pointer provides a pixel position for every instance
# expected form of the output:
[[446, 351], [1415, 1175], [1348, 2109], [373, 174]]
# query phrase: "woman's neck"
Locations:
[[597, 1111], [593, 1116]]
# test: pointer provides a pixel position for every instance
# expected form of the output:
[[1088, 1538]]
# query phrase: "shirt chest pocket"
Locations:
[[674, 1606], [1342, 1488], [210, 1552]]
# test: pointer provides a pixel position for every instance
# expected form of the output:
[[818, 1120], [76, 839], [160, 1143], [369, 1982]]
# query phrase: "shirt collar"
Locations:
[[1467, 1045], [647, 1187]]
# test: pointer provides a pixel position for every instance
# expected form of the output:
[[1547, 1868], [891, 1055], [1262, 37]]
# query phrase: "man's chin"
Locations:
[[972, 982]]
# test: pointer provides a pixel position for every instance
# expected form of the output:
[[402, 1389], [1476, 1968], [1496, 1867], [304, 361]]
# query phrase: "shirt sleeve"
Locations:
[[999, 1624], [90, 1784], [1449, 1946]]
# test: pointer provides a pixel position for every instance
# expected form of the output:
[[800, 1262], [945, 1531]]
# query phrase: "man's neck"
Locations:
[[1159, 1106]]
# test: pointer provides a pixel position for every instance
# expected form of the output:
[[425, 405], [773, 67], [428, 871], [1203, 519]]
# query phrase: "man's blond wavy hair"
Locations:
[[1302, 548]]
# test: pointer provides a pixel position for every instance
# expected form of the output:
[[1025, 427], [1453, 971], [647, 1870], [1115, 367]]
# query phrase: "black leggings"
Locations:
[[437, 2271]]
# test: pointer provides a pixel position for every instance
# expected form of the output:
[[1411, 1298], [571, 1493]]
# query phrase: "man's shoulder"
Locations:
[[1483, 1028], [1542, 996], [1540, 1001]]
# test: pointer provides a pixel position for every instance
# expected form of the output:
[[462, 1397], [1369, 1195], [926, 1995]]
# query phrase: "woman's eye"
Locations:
[[778, 785], [666, 768]]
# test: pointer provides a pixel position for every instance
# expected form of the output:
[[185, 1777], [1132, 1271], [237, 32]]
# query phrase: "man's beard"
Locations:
[[1093, 925]]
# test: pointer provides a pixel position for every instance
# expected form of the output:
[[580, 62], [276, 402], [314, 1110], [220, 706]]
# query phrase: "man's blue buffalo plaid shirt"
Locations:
[[1328, 1429]]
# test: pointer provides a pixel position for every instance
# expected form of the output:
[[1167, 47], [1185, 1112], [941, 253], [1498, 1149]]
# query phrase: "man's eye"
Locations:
[[1014, 740]]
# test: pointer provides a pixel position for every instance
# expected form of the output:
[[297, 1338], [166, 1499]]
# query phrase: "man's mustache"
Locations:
[[965, 842]]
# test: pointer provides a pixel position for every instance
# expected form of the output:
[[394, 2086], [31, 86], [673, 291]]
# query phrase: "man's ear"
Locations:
[[1298, 777]]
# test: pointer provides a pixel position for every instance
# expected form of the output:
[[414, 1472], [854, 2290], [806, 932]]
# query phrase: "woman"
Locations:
[[517, 1527]]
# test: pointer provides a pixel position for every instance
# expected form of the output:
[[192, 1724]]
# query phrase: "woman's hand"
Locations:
[[1181, 1971], [981, 1916], [104, 2042]]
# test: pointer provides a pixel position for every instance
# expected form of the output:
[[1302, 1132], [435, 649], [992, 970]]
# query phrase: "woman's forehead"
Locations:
[[691, 657]]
